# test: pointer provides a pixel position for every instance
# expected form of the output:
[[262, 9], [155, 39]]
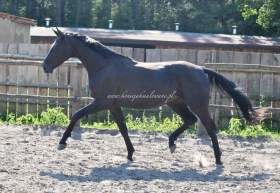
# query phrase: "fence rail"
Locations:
[[24, 87], [55, 92]]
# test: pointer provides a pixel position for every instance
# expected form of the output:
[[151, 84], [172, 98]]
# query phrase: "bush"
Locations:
[[27, 119], [54, 116], [237, 127], [11, 118], [150, 123]]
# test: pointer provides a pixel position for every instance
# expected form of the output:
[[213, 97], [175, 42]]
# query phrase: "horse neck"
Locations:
[[91, 60]]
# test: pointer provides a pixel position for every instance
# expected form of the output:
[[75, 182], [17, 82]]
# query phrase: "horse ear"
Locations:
[[57, 32]]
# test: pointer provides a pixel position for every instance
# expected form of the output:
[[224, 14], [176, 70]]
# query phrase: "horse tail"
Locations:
[[238, 96]]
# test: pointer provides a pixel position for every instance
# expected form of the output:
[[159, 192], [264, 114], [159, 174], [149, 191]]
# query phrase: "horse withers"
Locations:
[[118, 81]]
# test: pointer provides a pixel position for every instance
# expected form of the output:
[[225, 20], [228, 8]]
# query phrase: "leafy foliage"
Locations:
[[237, 127], [11, 118], [253, 17], [263, 13], [54, 116], [27, 119], [144, 123]]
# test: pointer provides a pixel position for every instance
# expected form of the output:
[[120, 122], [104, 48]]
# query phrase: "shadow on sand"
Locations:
[[124, 172]]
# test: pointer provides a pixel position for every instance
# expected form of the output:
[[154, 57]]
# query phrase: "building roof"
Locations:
[[17, 19], [148, 38]]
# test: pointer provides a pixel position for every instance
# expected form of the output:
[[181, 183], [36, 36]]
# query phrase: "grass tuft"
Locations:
[[55, 116]]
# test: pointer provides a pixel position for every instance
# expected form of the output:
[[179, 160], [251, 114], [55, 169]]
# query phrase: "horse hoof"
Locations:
[[61, 146], [172, 148], [130, 158]]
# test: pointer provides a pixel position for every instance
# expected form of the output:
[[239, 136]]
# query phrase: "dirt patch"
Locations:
[[30, 162]]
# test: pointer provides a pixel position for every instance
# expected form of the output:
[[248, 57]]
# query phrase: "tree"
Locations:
[[79, 13], [269, 17], [253, 17], [103, 13], [262, 13], [60, 4]]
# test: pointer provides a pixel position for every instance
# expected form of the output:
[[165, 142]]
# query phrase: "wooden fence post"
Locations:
[[75, 80], [201, 131]]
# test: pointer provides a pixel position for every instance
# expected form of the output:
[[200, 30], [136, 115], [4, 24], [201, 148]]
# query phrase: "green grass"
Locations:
[[52, 116], [55, 116], [145, 124], [238, 127]]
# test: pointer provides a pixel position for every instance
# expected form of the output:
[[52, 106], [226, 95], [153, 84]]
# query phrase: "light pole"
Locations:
[[177, 26], [234, 29], [48, 21], [110, 24]]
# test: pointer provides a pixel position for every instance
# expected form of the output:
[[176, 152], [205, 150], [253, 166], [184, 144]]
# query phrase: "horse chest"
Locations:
[[100, 90]]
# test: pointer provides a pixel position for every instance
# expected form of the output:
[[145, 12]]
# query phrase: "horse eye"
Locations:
[[60, 39]]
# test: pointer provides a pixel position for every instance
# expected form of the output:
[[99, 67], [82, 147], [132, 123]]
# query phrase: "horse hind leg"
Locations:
[[209, 124], [198, 102], [188, 119]]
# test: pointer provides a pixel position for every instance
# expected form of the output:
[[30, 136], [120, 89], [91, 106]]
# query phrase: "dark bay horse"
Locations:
[[114, 78]]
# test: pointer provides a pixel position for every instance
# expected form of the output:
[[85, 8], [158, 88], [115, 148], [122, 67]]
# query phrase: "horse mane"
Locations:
[[97, 46]]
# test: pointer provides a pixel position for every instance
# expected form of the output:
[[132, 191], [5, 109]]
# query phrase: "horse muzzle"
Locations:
[[47, 68]]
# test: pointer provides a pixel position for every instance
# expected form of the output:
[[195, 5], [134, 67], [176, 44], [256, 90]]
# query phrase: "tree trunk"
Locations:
[[30, 9], [78, 12], [107, 11], [201, 131], [60, 4], [13, 7]]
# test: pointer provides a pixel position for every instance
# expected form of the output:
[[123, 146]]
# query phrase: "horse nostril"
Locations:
[[46, 69]]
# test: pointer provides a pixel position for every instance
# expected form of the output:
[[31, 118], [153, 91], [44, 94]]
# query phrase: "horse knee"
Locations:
[[190, 121], [75, 117], [212, 134]]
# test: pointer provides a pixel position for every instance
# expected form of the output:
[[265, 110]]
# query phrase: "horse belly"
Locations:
[[141, 104], [148, 92], [146, 98]]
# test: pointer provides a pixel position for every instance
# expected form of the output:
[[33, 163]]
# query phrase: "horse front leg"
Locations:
[[188, 119], [94, 107], [119, 119]]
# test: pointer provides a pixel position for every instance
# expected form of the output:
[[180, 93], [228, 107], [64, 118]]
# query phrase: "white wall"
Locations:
[[11, 32]]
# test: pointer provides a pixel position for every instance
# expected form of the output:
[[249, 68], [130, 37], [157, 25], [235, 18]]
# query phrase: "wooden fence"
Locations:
[[25, 88]]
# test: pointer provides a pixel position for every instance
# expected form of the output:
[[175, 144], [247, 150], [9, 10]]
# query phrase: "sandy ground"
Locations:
[[30, 162]]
